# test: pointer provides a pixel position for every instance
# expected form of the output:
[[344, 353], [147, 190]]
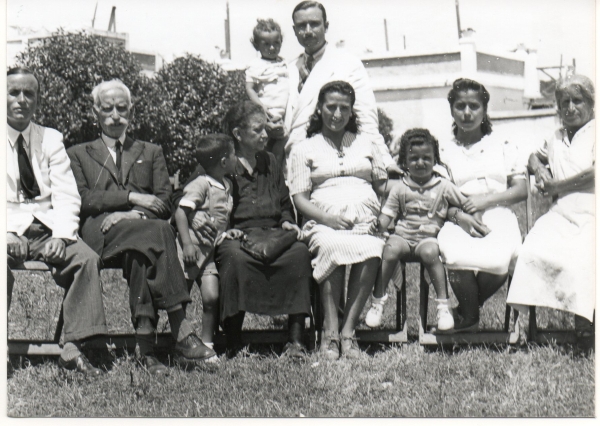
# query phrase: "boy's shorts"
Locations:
[[414, 245], [202, 268]]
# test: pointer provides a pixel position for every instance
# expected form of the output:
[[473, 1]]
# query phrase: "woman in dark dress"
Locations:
[[261, 199]]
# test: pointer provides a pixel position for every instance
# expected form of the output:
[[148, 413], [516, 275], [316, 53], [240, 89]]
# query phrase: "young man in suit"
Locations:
[[125, 190], [43, 217], [319, 64]]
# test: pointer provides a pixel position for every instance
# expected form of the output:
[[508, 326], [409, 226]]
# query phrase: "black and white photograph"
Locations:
[[300, 209]]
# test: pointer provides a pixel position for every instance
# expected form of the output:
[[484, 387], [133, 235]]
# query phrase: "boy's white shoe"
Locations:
[[373, 318], [445, 320]]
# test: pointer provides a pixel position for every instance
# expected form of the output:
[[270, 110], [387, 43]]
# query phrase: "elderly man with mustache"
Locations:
[[125, 190]]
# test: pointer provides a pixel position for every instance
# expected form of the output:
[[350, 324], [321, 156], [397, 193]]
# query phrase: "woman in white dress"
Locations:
[[556, 263], [333, 177], [480, 243]]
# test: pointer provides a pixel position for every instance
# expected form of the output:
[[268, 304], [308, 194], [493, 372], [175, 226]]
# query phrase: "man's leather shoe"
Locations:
[[294, 350], [153, 365], [192, 349], [80, 364]]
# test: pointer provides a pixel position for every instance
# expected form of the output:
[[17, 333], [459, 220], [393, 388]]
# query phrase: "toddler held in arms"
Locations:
[[420, 202], [267, 82], [209, 194]]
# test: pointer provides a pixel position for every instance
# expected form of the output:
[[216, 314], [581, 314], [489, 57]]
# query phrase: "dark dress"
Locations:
[[281, 287]]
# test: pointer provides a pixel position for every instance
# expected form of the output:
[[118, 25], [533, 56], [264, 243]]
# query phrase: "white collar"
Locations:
[[584, 129], [13, 134], [212, 181], [110, 142]]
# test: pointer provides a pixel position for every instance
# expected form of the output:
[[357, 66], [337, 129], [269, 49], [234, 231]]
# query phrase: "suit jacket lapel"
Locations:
[[36, 137], [319, 75], [99, 152], [131, 151]]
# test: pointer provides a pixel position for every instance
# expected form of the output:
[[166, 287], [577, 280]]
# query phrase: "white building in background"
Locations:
[[412, 89], [18, 39]]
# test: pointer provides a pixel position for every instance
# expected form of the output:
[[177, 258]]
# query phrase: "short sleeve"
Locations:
[[300, 170], [249, 76], [194, 193], [453, 195], [392, 204], [379, 171], [514, 165]]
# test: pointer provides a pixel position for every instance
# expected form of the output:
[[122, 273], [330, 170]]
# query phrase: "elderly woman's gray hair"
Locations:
[[581, 82], [111, 84]]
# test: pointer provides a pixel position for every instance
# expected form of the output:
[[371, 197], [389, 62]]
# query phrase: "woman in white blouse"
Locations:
[[478, 253]]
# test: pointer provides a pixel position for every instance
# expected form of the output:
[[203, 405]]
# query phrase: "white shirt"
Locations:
[[110, 144], [13, 135]]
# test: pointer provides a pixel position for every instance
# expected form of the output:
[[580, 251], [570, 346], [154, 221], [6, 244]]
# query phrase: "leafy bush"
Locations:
[[386, 126], [187, 98], [198, 95], [68, 66]]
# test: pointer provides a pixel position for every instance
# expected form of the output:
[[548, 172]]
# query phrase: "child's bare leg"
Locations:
[[429, 254], [395, 249], [209, 289]]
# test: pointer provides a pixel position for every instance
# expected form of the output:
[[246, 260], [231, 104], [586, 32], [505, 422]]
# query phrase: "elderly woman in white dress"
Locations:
[[480, 243], [556, 263], [333, 178]]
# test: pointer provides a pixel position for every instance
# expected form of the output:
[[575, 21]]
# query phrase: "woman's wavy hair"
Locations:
[[581, 82], [315, 125], [238, 116], [417, 137], [464, 85]]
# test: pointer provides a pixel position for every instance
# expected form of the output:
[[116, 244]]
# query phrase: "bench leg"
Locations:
[[424, 298], [532, 325], [59, 325]]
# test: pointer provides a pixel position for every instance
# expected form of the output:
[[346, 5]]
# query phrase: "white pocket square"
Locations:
[[138, 161]]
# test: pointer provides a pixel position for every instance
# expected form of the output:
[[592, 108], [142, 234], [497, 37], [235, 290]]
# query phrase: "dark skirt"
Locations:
[[246, 284]]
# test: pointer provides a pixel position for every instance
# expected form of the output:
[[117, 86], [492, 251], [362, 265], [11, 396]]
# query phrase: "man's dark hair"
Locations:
[[210, 149], [23, 71], [303, 5]]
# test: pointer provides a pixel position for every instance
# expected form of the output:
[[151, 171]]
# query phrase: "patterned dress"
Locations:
[[556, 265], [483, 168], [340, 183]]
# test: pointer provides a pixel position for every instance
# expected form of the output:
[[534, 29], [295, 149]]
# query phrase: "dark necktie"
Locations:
[[305, 69], [29, 185], [118, 147]]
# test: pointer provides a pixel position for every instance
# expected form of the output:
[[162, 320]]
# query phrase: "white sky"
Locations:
[[173, 27]]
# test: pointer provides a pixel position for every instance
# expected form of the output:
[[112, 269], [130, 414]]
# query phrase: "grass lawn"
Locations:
[[405, 381]]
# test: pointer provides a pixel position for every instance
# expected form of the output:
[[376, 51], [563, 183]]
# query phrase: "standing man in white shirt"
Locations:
[[43, 218], [319, 64]]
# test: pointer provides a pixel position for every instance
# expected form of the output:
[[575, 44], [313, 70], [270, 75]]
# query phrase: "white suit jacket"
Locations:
[[335, 65], [59, 202]]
